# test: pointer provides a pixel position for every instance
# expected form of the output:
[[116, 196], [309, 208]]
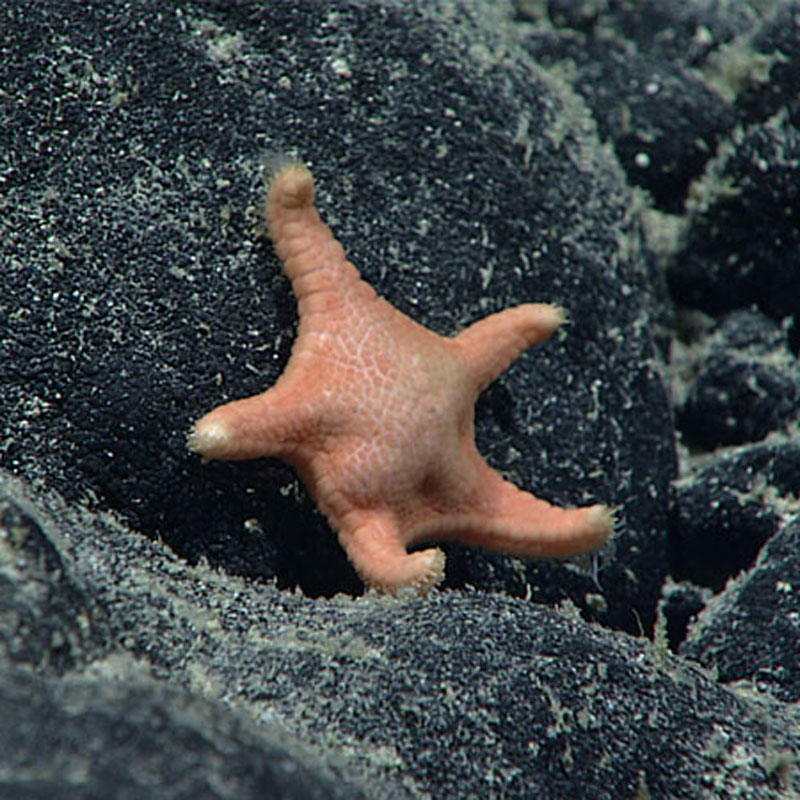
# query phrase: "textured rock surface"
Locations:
[[470, 154], [722, 515], [664, 122], [47, 620], [747, 383], [125, 736], [752, 630], [83, 719], [743, 244], [462, 694]]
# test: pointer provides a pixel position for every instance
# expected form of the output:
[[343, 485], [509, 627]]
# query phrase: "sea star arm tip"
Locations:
[[208, 438], [380, 558], [491, 344], [267, 424], [600, 524], [291, 185]]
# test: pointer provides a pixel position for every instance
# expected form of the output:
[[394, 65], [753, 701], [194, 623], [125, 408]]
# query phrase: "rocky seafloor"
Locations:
[[175, 629]]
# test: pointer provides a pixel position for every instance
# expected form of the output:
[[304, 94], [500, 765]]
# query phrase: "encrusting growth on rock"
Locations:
[[376, 415]]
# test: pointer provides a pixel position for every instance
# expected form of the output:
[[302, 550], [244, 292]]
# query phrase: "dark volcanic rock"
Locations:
[[751, 632], [47, 620], [743, 243], [685, 32], [777, 44], [129, 738], [681, 604], [461, 694], [680, 31], [747, 383], [722, 516], [684, 87], [136, 296], [107, 729], [664, 123]]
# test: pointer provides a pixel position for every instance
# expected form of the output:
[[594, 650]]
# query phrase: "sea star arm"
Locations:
[[269, 424], [506, 519], [323, 280], [491, 344], [378, 553]]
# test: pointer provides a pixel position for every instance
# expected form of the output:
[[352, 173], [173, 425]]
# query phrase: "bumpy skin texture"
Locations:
[[376, 414]]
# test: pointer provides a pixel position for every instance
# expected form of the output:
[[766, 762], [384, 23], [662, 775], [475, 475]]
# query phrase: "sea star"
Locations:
[[376, 415]]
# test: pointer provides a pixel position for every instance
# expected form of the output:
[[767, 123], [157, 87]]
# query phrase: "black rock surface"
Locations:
[[460, 694], [169, 625], [742, 246], [747, 383], [125, 736], [722, 515], [664, 122], [750, 632]]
